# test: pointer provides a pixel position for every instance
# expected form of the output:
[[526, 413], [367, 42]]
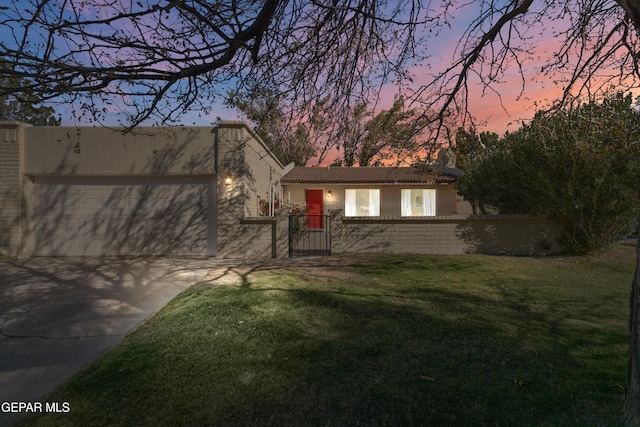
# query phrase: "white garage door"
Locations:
[[124, 216]]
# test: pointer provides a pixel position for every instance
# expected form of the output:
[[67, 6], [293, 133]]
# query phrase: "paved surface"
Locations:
[[59, 314]]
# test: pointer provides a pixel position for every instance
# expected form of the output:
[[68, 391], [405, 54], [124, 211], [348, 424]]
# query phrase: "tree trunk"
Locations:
[[632, 7], [631, 408]]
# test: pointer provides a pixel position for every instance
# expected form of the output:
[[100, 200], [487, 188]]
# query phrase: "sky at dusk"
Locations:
[[487, 109], [501, 109], [491, 113]]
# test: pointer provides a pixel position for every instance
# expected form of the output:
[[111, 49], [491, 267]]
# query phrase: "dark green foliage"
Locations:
[[24, 107], [289, 139], [579, 167], [368, 139], [470, 149]]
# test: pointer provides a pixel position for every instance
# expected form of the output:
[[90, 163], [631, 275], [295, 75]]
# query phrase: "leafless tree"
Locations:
[[158, 59]]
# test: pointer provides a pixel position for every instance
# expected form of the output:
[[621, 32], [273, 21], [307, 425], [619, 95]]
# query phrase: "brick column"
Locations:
[[230, 209], [282, 233], [336, 216], [12, 205]]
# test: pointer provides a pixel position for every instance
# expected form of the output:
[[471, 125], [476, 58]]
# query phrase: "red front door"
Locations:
[[315, 208]]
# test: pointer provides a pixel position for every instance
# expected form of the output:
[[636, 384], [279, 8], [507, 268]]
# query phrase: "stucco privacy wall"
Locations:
[[101, 151], [455, 234]]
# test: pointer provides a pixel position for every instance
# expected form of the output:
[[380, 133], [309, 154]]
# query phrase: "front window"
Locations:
[[418, 202], [362, 202]]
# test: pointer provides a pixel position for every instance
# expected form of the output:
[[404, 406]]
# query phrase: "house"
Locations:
[[403, 210], [218, 191], [376, 192]]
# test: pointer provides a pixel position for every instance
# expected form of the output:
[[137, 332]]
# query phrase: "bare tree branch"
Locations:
[[150, 56], [143, 49]]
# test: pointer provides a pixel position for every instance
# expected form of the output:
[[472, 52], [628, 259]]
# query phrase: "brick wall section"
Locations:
[[241, 233], [456, 234], [282, 233], [10, 188]]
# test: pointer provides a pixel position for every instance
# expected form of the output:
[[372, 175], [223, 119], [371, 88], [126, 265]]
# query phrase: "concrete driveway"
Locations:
[[59, 314]]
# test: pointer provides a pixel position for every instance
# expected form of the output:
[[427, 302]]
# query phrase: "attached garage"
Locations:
[[124, 216], [177, 191]]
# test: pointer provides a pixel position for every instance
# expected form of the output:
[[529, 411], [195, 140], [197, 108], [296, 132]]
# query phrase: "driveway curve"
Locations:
[[59, 314]]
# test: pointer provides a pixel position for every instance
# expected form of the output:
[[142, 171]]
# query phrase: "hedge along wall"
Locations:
[[456, 234]]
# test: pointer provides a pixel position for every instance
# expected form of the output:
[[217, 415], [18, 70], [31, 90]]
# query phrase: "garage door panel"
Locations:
[[166, 218]]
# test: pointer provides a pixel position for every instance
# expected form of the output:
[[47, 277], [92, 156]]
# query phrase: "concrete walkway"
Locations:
[[59, 314]]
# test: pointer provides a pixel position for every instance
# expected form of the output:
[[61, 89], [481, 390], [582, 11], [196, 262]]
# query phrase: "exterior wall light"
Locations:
[[228, 180], [329, 194]]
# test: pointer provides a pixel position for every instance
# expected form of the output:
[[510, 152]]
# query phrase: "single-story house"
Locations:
[[219, 191], [403, 210], [382, 192]]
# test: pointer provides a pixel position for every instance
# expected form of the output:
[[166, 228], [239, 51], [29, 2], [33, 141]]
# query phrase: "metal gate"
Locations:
[[309, 235]]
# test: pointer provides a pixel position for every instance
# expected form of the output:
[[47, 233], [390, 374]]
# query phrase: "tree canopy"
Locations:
[[578, 167], [472, 153], [26, 108], [290, 141], [160, 60], [369, 139]]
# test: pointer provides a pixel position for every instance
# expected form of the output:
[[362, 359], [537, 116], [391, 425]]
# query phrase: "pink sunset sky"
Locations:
[[514, 100], [486, 107], [491, 112]]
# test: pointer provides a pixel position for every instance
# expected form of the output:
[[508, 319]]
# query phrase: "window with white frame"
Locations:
[[361, 202], [418, 202]]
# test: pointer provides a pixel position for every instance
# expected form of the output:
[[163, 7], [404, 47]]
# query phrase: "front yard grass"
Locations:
[[393, 340]]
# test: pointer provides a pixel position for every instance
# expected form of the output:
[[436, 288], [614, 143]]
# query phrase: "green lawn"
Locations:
[[388, 340]]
